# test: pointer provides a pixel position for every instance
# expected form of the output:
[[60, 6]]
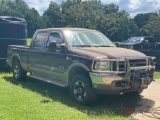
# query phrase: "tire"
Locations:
[[135, 93], [82, 91], [18, 72]]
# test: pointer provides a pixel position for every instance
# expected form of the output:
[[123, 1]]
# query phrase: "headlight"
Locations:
[[102, 66]]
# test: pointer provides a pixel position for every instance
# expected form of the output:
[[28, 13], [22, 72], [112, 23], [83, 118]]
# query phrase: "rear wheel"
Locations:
[[18, 72], [82, 91]]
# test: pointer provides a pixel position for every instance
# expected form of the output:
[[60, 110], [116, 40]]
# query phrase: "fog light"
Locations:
[[122, 83]]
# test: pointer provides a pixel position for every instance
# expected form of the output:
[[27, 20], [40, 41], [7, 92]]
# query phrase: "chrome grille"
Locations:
[[132, 63]]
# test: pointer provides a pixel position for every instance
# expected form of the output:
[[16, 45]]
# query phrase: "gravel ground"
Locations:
[[150, 98]]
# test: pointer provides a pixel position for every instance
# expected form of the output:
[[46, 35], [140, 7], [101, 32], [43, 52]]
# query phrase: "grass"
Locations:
[[156, 75], [29, 41]]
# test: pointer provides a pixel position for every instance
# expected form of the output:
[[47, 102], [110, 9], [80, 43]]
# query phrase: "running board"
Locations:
[[52, 81]]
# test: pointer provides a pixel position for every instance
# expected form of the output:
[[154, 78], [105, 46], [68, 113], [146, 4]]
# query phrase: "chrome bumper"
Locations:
[[112, 83], [106, 81], [122, 80]]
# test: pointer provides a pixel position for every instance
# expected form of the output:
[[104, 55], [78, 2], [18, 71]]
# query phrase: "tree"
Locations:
[[152, 28], [34, 21], [142, 19], [54, 15]]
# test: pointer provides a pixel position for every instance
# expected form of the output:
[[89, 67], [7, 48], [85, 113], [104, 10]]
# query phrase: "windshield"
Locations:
[[134, 40], [87, 39]]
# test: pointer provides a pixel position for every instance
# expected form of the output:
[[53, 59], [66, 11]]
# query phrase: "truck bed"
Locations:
[[18, 50]]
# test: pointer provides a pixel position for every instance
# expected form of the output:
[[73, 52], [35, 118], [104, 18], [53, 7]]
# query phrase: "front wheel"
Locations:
[[18, 72], [82, 91]]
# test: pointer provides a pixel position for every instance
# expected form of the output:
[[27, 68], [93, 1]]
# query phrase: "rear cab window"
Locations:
[[39, 40]]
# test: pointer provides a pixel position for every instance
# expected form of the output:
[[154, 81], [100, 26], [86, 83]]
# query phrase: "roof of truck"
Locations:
[[84, 29]]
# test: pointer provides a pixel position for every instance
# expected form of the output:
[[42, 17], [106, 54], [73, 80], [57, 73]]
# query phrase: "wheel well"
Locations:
[[78, 70], [15, 58]]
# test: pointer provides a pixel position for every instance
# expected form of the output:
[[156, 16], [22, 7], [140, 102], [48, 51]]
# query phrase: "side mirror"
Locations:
[[146, 42], [117, 44], [52, 46]]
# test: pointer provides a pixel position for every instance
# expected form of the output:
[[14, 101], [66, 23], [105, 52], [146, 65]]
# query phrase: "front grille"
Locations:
[[121, 66], [126, 64]]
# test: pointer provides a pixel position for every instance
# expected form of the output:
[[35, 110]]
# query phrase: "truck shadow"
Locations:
[[105, 104]]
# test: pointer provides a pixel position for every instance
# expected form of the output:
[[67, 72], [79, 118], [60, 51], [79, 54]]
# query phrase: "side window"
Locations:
[[55, 37], [151, 40], [40, 40]]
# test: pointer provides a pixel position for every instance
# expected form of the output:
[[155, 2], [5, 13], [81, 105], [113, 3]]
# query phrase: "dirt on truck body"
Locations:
[[84, 60]]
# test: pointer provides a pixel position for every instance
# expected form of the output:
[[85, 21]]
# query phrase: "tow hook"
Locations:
[[122, 84], [145, 82]]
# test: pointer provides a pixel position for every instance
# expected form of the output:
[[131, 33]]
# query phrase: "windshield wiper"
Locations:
[[81, 46], [102, 46], [92, 46]]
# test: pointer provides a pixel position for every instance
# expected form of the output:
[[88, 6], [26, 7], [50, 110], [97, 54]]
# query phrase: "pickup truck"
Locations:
[[84, 60], [144, 44]]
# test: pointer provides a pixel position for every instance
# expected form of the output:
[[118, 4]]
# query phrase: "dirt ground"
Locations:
[[150, 98]]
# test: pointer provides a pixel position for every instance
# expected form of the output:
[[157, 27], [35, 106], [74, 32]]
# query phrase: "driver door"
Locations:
[[55, 61]]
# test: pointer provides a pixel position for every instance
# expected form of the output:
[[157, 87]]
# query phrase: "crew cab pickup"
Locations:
[[145, 44], [84, 60]]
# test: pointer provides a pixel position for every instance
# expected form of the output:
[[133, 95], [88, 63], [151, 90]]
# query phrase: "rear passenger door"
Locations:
[[36, 53]]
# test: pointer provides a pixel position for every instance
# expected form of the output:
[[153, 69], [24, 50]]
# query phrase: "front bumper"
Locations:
[[132, 78], [106, 81], [114, 84]]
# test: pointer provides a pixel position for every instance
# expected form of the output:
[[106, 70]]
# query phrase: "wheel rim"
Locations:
[[80, 90], [16, 71]]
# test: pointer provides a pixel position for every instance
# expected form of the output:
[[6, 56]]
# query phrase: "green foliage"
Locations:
[[148, 24], [152, 27], [141, 19]]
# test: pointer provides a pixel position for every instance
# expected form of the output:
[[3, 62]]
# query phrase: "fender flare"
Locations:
[[76, 64], [17, 56]]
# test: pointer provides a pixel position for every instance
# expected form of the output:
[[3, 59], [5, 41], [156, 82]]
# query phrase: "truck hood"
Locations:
[[105, 52]]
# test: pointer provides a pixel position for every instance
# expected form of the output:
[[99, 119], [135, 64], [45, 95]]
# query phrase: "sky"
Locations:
[[133, 7]]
